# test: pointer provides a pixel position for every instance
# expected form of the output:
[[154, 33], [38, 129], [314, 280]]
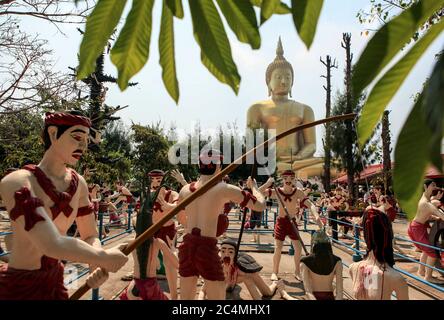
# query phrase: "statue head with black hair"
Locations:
[[65, 136], [378, 235], [210, 162], [321, 261]]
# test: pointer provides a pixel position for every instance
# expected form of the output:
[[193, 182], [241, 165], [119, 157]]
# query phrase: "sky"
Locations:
[[203, 99]]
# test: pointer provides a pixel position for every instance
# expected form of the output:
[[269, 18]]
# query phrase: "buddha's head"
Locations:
[[279, 75]]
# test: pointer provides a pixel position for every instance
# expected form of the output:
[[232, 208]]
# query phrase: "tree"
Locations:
[[327, 144], [27, 79], [151, 148], [20, 141], [100, 113], [369, 154], [383, 10], [112, 159]]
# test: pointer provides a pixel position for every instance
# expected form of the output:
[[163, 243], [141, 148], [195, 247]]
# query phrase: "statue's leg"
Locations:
[[422, 259], [278, 244], [215, 289], [188, 288], [297, 258], [266, 290], [252, 288], [171, 275]]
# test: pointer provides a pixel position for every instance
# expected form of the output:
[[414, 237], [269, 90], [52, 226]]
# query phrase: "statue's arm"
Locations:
[[86, 224], [42, 232], [401, 288], [309, 135], [181, 216], [235, 194], [339, 281], [253, 117], [168, 253]]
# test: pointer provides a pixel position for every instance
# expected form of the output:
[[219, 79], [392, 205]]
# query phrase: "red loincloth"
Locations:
[[418, 232], [283, 228], [222, 224], [254, 221], [149, 289], [324, 295], [199, 256], [227, 207], [169, 231], [45, 283], [391, 213]]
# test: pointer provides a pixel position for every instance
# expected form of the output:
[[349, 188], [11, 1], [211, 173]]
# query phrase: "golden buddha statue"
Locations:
[[281, 113]]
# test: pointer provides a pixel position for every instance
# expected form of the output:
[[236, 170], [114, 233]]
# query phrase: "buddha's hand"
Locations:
[[306, 152]]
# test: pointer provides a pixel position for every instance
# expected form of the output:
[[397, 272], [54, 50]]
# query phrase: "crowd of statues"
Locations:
[[44, 201]]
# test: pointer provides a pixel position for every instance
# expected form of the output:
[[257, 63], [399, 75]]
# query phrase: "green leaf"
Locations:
[[215, 48], [305, 16], [388, 85], [411, 160], [166, 53], [241, 18], [281, 9], [175, 7], [389, 40], [433, 108], [268, 7], [131, 50], [99, 26], [434, 97]]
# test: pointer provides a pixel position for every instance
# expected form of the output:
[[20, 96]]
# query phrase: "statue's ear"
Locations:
[[52, 133], [269, 91]]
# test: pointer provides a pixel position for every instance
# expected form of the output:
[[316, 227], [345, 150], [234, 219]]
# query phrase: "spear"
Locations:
[[211, 183]]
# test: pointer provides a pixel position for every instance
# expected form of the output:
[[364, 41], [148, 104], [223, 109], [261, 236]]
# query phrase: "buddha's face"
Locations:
[[281, 81], [71, 145]]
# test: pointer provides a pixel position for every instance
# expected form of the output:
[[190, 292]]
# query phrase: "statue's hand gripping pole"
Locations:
[[211, 183]]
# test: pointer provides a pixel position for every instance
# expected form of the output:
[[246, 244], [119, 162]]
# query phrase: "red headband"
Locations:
[[66, 119], [288, 173], [156, 173]]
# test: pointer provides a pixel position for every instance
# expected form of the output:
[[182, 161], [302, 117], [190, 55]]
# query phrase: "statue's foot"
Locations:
[[280, 285], [298, 276], [434, 280], [274, 277], [421, 273], [127, 277]]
